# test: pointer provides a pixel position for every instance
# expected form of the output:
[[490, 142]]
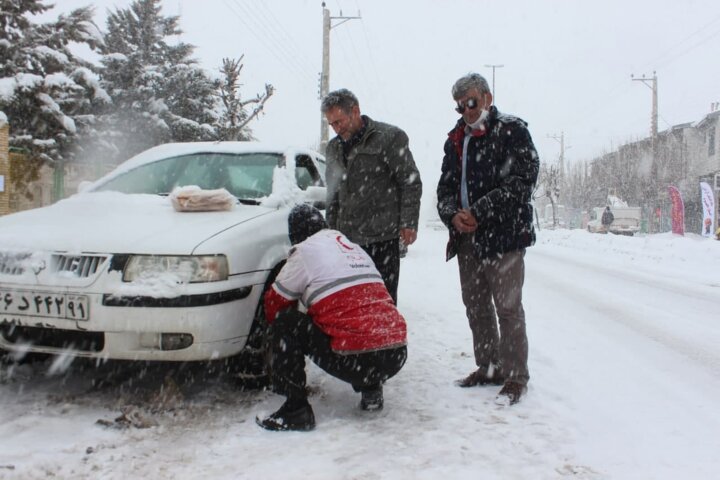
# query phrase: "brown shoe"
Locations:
[[510, 393], [482, 376]]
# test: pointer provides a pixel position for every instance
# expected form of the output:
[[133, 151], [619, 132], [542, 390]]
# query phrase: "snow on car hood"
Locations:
[[111, 222]]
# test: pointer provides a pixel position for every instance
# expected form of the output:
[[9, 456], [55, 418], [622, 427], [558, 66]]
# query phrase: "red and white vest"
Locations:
[[343, 291]]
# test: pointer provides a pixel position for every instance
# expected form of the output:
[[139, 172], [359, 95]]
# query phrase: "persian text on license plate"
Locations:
[[44, 304]]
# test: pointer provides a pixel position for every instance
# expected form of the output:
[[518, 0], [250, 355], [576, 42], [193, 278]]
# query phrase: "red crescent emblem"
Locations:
[[341, 243]]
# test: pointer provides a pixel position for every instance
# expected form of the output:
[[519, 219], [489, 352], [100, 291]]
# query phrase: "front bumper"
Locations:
[[191, 327]]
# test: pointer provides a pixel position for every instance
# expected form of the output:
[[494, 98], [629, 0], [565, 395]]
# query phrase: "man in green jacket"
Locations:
[[374, 186]]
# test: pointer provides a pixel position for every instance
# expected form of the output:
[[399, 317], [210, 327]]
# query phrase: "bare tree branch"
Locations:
[[260, 100]]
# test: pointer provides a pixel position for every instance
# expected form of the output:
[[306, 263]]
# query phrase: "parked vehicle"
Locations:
[[554, 222], [115, 272], [626, 221]]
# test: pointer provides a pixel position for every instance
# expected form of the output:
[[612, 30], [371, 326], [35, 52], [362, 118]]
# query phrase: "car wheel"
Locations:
[[251, 366]]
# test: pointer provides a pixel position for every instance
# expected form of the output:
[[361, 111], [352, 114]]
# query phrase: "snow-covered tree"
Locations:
[[47, 93], [159, 92]]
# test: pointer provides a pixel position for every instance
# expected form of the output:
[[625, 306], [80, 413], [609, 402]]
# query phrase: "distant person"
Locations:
[[374, 186], [607, 218], [488, 174], [352, 329]]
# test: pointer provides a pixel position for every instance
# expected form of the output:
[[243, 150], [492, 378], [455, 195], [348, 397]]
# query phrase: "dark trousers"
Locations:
[[294, 335], [386, 256], [492, 294]]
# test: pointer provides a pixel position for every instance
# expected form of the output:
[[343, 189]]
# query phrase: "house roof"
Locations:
[[710, 118]]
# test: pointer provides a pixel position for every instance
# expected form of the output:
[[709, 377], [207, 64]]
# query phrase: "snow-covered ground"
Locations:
[[624, 360]]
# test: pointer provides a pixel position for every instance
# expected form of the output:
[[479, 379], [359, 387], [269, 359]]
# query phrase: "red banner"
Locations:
[[678, 211]]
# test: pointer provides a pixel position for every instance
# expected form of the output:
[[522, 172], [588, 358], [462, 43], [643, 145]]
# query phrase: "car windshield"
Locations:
[[245, 175]]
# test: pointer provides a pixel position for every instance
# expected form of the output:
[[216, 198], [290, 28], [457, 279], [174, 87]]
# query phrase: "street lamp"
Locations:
[[493, 79]]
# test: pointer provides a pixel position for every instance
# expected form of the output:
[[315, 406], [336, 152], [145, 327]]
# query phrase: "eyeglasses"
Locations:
[[471, 104]]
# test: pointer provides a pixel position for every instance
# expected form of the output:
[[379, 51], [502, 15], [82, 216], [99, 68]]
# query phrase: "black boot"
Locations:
[[372, 399], [298, 417]]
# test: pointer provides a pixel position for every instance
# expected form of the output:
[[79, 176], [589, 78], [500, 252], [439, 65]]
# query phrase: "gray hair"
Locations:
[[467, 83], [342, 98]]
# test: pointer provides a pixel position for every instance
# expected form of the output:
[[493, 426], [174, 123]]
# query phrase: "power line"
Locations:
[[657, 62], [373, 63], [266, 37], [354, 58], [276, 51], [592, 110], [351, 65], [278, 31]]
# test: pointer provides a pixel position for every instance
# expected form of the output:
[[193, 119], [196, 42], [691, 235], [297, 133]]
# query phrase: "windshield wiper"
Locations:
[[248, 201]]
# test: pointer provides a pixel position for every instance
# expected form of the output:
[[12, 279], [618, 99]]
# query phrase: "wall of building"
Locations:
[[38, 192], [4, 168]]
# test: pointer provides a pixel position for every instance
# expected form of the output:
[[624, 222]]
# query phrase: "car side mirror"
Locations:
[[316, 196]]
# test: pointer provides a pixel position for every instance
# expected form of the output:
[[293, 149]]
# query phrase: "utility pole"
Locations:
[[651, 83], [561, 139], [325, 74], [558, 180], [493, 79]]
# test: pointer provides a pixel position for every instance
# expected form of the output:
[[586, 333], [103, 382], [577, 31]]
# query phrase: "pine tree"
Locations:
[[47, 93], [159, 92]]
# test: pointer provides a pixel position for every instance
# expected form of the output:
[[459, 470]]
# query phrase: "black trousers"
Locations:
[[386, 256], [294, 335]]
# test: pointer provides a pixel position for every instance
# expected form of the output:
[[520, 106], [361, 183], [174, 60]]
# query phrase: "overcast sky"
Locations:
[[567, 64]]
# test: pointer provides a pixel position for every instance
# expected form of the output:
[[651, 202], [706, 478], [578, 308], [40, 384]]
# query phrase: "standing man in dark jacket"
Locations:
[[374, 186], [488, 174], [607, 219]]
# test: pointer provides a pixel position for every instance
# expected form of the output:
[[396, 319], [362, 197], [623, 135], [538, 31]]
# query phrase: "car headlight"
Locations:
[[185, 268]]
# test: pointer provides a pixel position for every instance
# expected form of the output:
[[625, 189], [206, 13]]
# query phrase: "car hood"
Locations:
[[111, 222]]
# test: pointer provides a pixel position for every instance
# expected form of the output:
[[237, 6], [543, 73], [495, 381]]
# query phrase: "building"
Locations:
[[640, 172]]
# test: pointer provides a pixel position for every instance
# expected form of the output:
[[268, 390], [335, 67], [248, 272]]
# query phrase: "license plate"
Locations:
[[44, 304]]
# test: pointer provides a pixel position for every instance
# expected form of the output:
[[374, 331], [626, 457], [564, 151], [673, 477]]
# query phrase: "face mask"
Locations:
[[479, 124]]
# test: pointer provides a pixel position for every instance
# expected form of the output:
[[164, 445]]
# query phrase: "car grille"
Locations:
[[77, 266], [13, 263], [81, 266]]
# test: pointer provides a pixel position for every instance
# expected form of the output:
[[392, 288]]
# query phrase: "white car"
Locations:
[[115, 272], [626, 221]]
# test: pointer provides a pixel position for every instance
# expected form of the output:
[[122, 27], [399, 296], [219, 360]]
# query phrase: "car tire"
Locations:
[[251, 367]]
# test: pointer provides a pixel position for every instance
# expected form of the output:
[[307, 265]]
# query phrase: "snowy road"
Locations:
[[634, 338], [677, 315], [625, 384]]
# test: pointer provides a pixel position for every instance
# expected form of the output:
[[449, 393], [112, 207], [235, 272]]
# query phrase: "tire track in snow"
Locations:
[[704, 292], [585, 293]]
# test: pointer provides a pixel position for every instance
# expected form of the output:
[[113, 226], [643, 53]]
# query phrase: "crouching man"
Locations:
[[352, 329]]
